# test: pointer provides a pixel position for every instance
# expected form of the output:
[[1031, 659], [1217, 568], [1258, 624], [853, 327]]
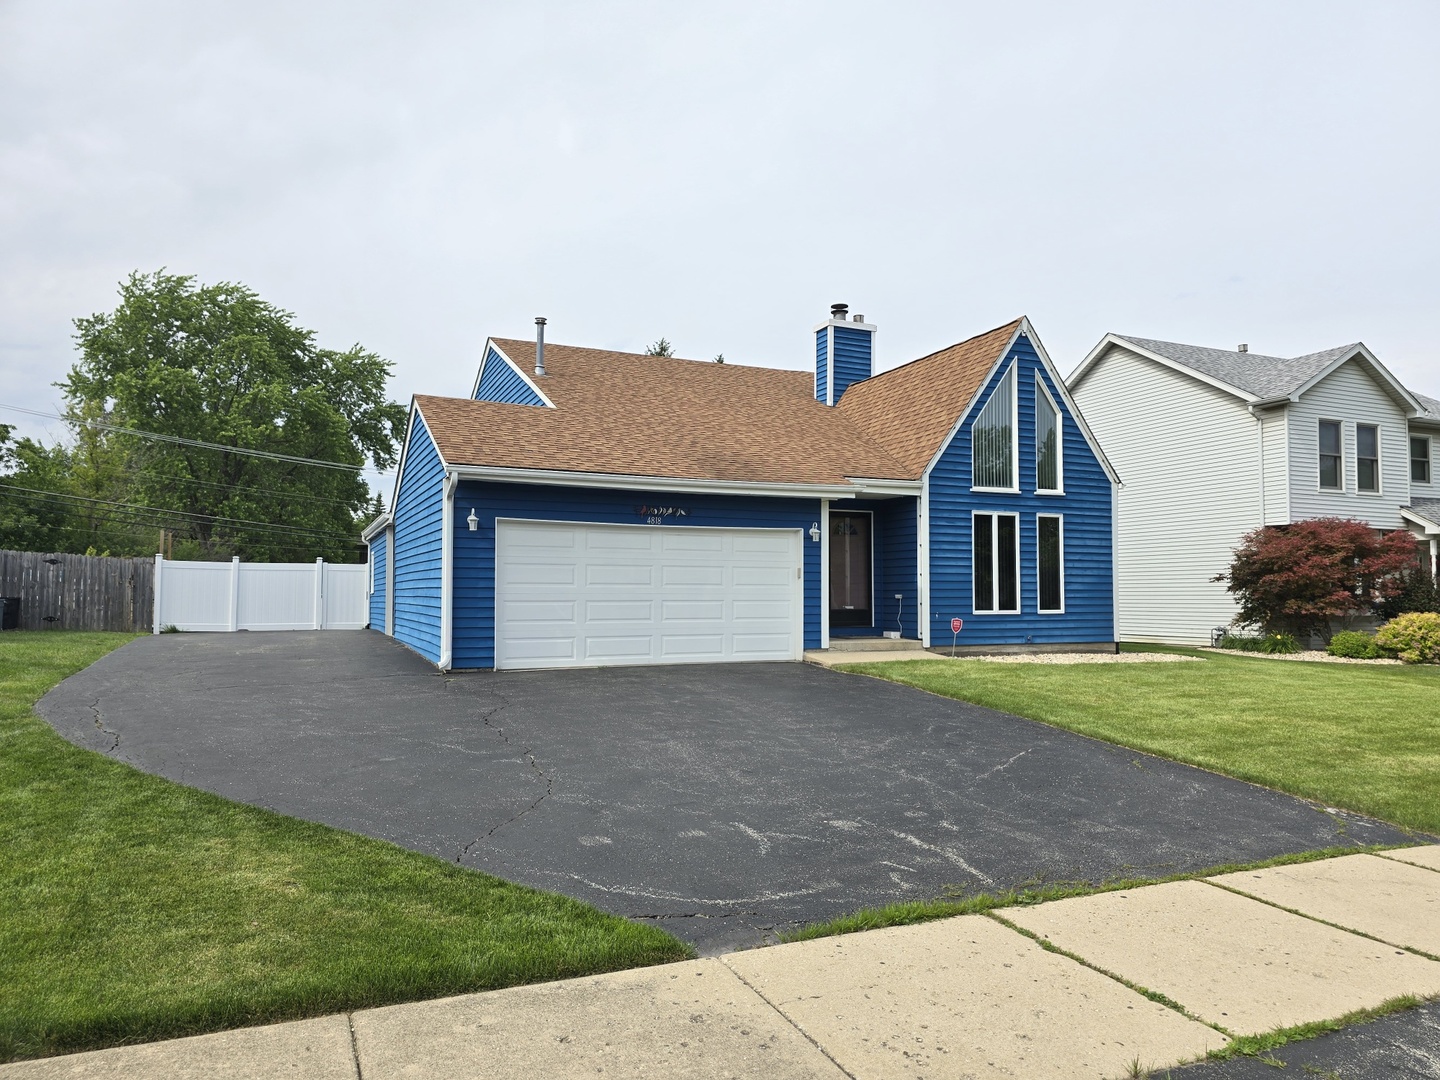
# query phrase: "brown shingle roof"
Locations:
[[659, 416], [910, 410], [628, 414]]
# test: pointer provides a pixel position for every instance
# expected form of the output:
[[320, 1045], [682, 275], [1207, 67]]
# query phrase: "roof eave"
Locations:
[[379, 525], [637, 482]]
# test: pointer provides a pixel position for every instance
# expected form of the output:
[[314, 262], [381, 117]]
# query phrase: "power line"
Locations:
[[257, 491], [215, 519], [178, 441]]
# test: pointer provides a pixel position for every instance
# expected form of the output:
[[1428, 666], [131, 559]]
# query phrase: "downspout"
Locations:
[[390, 578], [1260, 438], [447, 567]]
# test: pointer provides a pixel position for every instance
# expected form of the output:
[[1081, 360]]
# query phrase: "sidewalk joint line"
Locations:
[[1143, 991], [1322, 922], [354, 1046], [780, 1012], [1386, 854]]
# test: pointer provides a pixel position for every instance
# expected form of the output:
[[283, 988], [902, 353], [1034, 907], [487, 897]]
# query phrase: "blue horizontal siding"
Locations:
[[1088, 530], [418, 516], [822, 356], [895, 535], [853, 358], [377, 571], [474, 552], [499, 382]]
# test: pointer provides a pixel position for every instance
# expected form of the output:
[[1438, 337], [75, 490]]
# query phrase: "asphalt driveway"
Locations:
[[724, 802]]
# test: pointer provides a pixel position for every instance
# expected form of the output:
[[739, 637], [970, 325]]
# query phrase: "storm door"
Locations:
[[850, 569]]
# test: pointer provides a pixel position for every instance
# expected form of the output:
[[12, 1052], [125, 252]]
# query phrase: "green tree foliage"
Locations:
[[214, 364], [661, 348]]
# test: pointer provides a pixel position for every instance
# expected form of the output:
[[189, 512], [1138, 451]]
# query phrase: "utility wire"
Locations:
[[178, 441], [257, 491], [189, 515]]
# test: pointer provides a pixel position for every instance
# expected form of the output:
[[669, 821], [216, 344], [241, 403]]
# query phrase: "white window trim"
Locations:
[[1319, 453], [1428, 458], [1379, 488], [995, 563], [1014, 436], [1061, 609], [1059, 442]]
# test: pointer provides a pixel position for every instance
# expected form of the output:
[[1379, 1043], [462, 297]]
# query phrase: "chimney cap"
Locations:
[[838, 311], [1244, 348], [539, 320]]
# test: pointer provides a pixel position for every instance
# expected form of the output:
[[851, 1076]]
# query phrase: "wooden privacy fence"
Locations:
[[79, 592]]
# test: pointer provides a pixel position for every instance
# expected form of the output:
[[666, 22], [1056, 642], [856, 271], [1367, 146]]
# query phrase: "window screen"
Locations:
[[1367, 457], [1419, 459], [1052, 596], [1047, 442], [1330, 454], [992, 438]]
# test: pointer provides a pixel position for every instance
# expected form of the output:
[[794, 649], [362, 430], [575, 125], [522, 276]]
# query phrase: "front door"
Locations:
[[850, 563]]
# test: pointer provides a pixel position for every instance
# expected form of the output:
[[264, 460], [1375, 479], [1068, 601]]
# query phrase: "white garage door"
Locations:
[[569, 595]]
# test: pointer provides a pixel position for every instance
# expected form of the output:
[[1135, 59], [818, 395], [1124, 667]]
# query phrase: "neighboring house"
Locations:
[[586, 507], [1213, 443]]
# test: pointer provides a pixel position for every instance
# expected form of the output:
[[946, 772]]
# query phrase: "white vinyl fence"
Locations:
[[261, 596]]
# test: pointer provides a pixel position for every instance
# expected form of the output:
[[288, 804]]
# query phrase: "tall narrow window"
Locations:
[[1420, 459], [992, 438], [1367, 457], [1052, 562], [1330, 471], [996, 563], [1047, 441]]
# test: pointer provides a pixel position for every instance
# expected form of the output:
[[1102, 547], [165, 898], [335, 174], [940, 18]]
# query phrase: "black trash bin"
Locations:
[[9, 613]]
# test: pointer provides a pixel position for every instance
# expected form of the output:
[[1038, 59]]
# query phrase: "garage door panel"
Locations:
[[572, 594]]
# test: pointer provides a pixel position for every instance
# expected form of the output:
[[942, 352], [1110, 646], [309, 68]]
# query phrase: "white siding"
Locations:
[[1350, 395], [1432, 489], [1275, 450], [1188, 456]]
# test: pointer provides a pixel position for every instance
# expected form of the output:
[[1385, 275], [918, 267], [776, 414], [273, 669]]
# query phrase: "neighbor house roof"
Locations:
[[632, 415], [1263, 376], [911, 410], [1431, 405], [1429, 509]]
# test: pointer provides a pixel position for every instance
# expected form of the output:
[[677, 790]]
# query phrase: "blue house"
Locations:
[[584, 507]]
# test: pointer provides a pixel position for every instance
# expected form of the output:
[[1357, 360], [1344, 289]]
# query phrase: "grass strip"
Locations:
[[909, 912], [137, 909], [1346, 735]]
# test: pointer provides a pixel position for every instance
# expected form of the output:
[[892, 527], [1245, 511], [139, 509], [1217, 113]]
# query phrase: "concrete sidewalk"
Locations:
[[973, 996]]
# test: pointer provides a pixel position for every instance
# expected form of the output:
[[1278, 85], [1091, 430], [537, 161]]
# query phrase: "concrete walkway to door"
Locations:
[[975, 997]]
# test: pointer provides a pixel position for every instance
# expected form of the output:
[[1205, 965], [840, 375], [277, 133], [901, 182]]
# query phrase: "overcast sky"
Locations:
[[415, 177]]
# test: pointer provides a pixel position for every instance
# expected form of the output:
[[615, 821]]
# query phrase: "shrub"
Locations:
[[1414, 637], [1356, 646], [1268, 643], [1299, 577], [1418, 594]]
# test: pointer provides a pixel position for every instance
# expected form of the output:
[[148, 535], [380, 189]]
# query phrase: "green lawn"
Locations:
[[132, 908], [1366, 738]]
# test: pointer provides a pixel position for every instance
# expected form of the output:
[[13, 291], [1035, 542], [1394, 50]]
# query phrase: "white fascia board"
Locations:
[[872, 327], [1028, 331], [1115, 339], [1431, 528], [375, 527], [970, 405], [521, 372], [1390, 382], [867, 486], [626, 482], [405, 451]]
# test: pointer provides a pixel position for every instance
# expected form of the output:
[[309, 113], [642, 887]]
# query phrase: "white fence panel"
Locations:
[[347, 596], [208, 596]]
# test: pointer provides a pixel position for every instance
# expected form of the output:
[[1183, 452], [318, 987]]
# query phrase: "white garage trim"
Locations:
[[595, 594]]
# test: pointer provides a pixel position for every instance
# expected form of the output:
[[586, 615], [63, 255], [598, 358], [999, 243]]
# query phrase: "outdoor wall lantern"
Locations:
[[472, 520], [815, 532]]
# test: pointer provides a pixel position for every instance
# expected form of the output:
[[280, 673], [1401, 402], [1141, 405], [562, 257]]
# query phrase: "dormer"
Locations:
[[844, 353]]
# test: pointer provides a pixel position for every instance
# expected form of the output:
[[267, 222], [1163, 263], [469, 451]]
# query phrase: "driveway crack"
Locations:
[[527, 755], [100, 726]]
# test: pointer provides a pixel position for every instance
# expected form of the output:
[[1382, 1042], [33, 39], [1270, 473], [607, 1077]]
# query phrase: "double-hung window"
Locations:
[[1049, 530], [995, 558], [1048, 478], [1332, 472], [992, 439], [1420, 459], [1367, 457]]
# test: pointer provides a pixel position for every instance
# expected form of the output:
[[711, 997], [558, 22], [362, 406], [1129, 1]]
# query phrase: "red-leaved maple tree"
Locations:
[[1299, 577]]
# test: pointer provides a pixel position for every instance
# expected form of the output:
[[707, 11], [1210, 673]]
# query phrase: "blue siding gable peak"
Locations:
[[502, 382], [418, 537]]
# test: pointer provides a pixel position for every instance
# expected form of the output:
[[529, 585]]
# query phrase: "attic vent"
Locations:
[[1244, 348]]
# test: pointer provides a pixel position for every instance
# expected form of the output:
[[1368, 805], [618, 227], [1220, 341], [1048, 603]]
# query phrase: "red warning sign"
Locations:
[[956, 625]]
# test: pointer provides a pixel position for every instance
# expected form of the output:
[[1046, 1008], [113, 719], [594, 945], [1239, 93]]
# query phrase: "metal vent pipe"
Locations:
[[539, 345]]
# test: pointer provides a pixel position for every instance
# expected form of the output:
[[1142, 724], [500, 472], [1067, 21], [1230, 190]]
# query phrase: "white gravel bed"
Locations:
[[1085, 658], [1312, 655]]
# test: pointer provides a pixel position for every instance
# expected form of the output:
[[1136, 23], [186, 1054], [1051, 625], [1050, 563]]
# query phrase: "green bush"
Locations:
[[1269, 643], [1356, 645], [1414, 637]]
